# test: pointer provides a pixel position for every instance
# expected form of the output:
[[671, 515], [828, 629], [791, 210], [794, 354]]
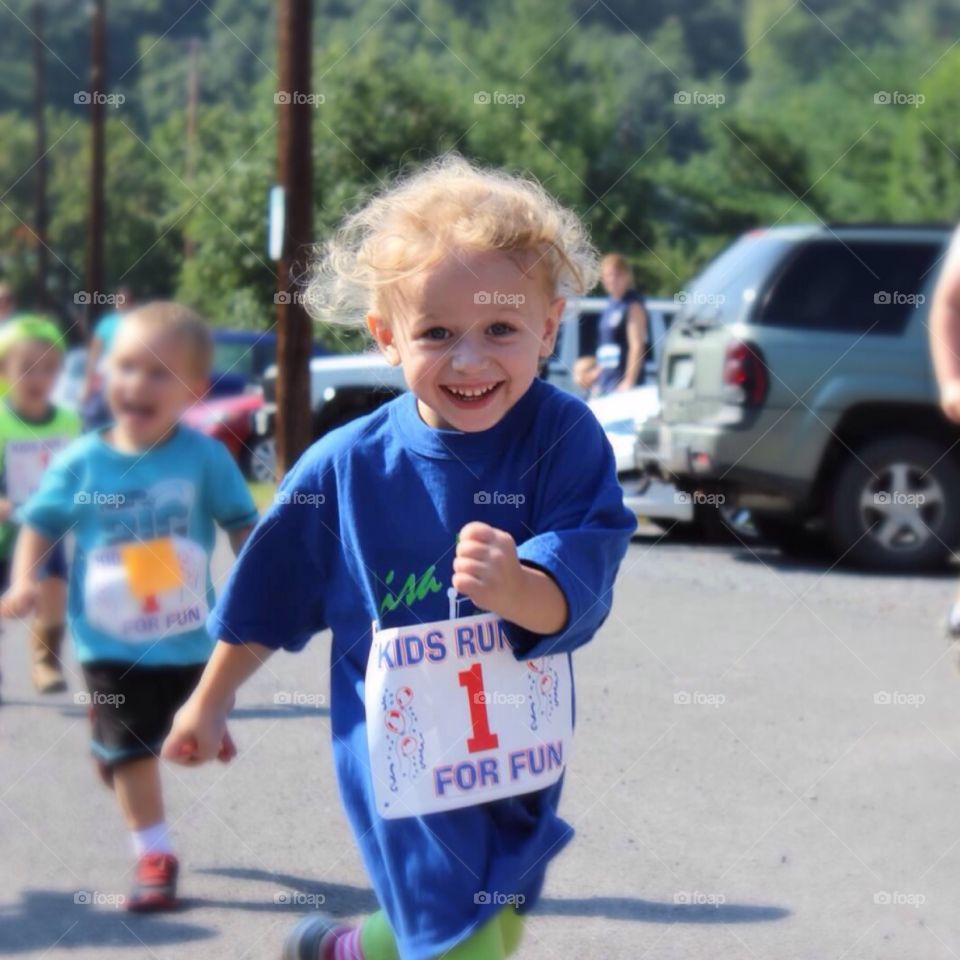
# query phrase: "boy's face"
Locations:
[[32, 368], [151, 380], [470, 335]]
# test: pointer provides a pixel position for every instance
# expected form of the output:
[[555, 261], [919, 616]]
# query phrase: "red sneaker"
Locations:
[[155, 883]]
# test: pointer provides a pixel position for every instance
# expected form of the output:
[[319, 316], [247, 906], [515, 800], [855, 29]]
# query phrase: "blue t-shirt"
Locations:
[[140, 587], [364, 528]]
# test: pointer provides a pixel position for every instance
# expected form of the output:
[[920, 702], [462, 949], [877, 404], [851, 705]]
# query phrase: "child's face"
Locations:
[[470, 335], [151, 381], [32, 368]]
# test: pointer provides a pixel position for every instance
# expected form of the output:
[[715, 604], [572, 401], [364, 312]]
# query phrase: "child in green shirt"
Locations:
[[32, 430]]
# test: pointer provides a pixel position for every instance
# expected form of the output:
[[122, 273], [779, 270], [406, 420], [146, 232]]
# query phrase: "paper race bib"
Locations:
[[146, 591], [608, 356], [454, 719], [24, 464]]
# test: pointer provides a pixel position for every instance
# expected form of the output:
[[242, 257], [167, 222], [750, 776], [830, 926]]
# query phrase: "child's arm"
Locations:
[[238, 537], [199, 731], [945, 332], [32, 547], [487, 569]]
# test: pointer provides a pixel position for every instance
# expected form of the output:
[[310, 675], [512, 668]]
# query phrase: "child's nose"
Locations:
[[468, 356]]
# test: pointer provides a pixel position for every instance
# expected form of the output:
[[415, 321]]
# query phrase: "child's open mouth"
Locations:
[[471, 397], [137, 411]]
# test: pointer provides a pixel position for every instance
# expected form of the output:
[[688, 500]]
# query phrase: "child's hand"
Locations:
[[20, 600], [198, 735], [486, 567]]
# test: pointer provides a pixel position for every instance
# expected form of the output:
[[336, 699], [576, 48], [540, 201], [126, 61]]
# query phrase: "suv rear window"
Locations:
[[719, 288], [855, 287]]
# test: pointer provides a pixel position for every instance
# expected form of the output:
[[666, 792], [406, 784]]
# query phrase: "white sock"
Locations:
[[155, 839]]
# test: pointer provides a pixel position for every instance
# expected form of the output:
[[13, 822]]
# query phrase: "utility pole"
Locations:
[[95, 218], [294, 171], [40, 165], [193, 83]]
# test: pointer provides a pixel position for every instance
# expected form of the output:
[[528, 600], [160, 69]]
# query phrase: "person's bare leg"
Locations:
[[46, 636], [52, 601], [139, 793]]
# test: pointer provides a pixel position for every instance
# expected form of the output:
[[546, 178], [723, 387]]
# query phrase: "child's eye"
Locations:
[[434, 333], [501, 329]]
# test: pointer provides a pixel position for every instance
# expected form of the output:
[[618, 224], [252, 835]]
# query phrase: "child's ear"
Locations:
[[381, 332], [551, 327]]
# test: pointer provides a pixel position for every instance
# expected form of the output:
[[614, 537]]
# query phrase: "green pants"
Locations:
[[495, 940]]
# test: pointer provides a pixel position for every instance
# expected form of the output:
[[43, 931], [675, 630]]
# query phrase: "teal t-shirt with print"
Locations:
[[144, 525]]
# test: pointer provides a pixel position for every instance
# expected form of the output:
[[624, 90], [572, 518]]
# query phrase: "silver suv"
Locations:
[[796, 382]]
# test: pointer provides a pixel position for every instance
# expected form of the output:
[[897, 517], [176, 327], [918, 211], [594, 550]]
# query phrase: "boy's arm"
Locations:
[[199, 730], [28, 556], [238, 537]]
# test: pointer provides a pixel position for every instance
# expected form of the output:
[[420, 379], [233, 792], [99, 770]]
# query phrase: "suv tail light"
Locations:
[[744, 374]]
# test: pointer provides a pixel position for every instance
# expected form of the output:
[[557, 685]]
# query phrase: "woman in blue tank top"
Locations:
[[622, 330]]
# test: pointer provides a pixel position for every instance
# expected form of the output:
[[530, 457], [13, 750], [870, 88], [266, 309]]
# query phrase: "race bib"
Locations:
[[24, 464], [141, 592], [454, 719], [608, 356]]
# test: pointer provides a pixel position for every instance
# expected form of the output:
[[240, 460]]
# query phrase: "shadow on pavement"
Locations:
[[653, 911], [45, 919]]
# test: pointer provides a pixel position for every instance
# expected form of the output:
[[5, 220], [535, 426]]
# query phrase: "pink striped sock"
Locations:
[[347, 945]]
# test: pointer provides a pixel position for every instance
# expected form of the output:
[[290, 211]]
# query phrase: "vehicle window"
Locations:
[[719, 288], [235, 357], [856, 287]]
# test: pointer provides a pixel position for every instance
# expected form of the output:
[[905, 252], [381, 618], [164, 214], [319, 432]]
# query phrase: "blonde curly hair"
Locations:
[[447, 205]]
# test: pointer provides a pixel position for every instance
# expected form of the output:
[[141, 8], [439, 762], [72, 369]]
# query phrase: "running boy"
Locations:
[[460, 542], [141, 497], [32, 430]]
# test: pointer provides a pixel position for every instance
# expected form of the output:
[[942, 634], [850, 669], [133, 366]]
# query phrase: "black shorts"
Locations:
[[132, 707]]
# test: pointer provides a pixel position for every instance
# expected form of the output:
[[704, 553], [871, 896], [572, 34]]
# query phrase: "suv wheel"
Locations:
[[896, 505]]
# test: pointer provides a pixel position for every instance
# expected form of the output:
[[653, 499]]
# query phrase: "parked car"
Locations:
[[796, 382], [241, 357], [231, 421]]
